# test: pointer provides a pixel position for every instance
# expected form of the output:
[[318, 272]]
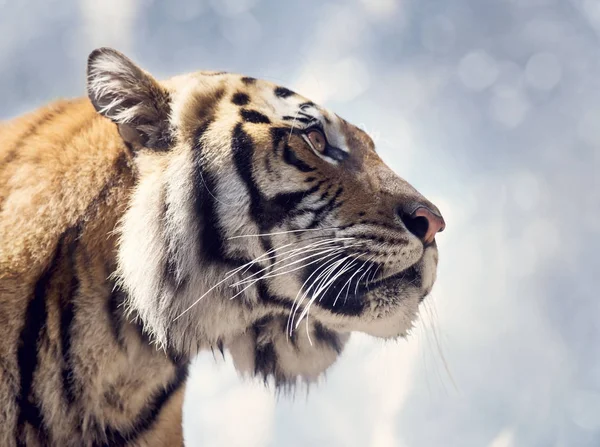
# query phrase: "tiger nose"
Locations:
[[423, 223]]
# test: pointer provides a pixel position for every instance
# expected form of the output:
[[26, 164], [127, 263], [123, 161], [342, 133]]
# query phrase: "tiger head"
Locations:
[[259, 218]]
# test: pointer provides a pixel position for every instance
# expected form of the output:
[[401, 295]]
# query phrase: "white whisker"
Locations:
[[321, 288], [300, 295], [254, 281], [303, 251], [281, 232]]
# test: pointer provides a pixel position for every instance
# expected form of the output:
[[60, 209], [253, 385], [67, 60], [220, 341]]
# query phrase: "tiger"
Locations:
[[154, 220]]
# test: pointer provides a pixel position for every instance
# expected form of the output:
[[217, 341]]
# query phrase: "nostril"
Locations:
[[423, 223], [417, 225]]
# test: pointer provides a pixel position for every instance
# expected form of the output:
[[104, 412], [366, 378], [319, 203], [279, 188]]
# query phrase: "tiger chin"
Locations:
[[153, 220]]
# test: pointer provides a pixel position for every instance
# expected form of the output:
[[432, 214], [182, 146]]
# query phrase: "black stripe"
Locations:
[[326, 193], [248, 80], [290, 157], [268, 166], [27, 352], [114, 310], [211, 239], [67, 298], [277, 136], [243, 152], [327, 208], [240, 99], [173, 277], [266, 213], [282, 92], [267, 245], [274, 301], [147, 417], [253, 116], [36, 317], [327, 337], [265, 357]]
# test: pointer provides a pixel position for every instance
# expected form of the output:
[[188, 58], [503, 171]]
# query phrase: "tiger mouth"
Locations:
[[409, 276], [341, 298]]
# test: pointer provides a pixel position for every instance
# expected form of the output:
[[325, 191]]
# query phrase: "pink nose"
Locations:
[[433, 223]]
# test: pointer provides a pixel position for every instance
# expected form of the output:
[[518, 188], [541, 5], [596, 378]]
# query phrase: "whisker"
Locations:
[[343, 287], [314, 244], [228, 275], [349, 261], [321, 288], [300, 295], [361, 277], [254, 281], [301, 252], [282, 232], [288, 251]]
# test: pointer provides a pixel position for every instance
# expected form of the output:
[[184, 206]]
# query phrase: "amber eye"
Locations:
[[317, 140]]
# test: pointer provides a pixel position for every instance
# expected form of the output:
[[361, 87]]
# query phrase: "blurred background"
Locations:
[[491, 109]]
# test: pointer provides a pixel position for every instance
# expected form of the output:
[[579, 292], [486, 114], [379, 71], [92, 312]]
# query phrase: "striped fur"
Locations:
[[158, 219]]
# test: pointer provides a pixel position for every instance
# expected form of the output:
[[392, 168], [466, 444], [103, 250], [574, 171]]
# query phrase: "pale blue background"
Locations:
[[490, 108]]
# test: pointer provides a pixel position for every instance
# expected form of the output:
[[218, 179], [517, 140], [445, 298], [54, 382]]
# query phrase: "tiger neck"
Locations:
[[116, 383]]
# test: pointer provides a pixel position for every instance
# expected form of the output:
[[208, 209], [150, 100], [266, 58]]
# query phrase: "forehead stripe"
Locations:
[[240, 99], [282, 92], [252, 116]]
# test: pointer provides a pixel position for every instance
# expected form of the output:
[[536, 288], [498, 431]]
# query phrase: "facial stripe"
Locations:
[[274, 301], [211, 239], [253, 116], [243, 152], [277, 136], [266, 213], [290, 157], [173, 275], [323, 211]]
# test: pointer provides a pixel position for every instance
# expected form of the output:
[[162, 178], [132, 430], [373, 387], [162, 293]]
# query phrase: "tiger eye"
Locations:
[[317, 139]]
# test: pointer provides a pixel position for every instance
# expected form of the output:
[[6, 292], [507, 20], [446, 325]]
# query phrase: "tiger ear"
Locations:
[[130, 97]]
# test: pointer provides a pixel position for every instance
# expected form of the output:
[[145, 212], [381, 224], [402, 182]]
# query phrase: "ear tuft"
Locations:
[[130, 97]]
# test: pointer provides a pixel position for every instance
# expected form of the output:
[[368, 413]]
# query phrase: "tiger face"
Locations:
[[255, 206]]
